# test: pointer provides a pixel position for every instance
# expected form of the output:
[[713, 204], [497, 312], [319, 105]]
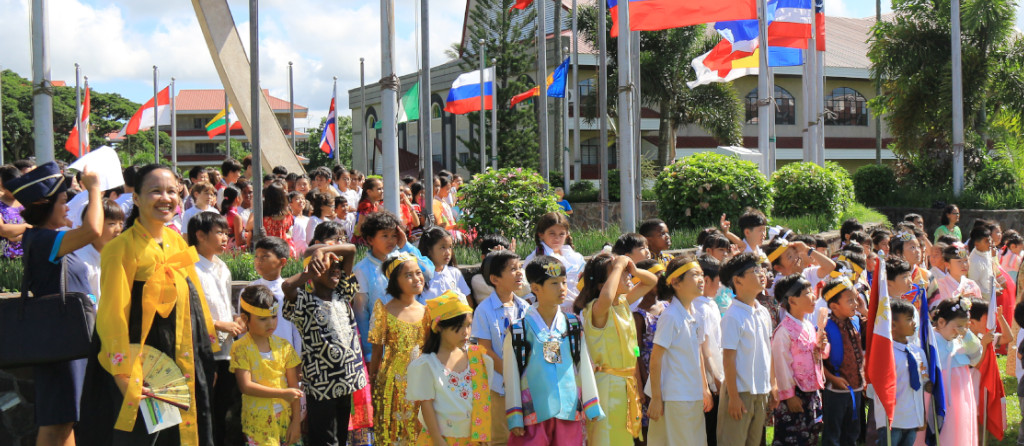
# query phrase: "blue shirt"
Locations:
[[564, 204], [491, 321], [43, 265], [373, 284]]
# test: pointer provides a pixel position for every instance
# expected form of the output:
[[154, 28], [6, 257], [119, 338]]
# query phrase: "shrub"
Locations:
[[997, 176], [583, 191], [698, 189], [874, 184], [842, 177], [809, 189], [11, 274], [505, 201]]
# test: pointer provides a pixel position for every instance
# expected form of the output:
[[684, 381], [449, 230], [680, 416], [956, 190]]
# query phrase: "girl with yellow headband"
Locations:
[[678, 385], [450, 381], [604, 305], [267, 369]]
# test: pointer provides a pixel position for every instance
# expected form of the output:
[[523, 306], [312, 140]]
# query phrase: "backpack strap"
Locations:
[[575, 334], [520, 345]]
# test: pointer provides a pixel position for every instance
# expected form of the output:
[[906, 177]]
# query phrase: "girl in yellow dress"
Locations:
[[397, 332], [604, 306], [267, 370]]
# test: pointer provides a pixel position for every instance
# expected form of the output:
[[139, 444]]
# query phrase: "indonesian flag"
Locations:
[[143, 118], [72, 144], [327, 140], [880, 362], [991, 393], [219, 123], [521, 4]]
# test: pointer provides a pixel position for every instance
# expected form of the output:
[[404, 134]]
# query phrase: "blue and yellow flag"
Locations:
[[557, 80]]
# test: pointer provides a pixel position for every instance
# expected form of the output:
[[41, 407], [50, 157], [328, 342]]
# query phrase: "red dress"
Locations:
[[280, 228]]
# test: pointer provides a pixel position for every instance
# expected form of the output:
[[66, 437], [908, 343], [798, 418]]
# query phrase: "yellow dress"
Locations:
[[265, 420], [394, 417], [613, 351]]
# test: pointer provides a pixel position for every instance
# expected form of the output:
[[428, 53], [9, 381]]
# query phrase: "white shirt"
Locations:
[[285, 328], [981, 271], [679, 333], [573, 263], [747, 330], [77, 204], [311, 225], [449, 278], [244, 213], [90, 257], [710, 319], [299, 233], [192, 212], [352, 197], [215, 279], [126, 201], [348, 223], [909, 411]]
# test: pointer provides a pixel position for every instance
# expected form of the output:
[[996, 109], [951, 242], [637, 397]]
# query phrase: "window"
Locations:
[[785, 113], [206, 147], [589, 152], [588, 87], [436, 111], [845, 106], [199, 123], [588, 98]]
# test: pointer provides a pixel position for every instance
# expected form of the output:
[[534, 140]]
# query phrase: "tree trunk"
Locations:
[[666, 136]]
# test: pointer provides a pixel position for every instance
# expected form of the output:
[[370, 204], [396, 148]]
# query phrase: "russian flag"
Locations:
[[327, 139], [464, 97], [654, 15], [819, 19]]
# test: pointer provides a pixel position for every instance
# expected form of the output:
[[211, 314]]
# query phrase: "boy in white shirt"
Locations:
[[203, 196], [113, 223], [911, 379], [271, 254], [208, 233]]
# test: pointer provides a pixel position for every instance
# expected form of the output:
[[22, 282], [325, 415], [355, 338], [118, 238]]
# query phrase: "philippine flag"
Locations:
[[327, 139], [880, 361], [464, 97]]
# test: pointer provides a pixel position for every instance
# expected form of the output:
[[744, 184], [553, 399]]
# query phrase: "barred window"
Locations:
[[785, 113], [846, 106]]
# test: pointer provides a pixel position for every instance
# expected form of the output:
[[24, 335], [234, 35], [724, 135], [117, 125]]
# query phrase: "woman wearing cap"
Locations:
[[49, 253], [151, 297]]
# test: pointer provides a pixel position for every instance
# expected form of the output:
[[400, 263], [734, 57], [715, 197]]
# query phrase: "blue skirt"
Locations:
[[58, 391]]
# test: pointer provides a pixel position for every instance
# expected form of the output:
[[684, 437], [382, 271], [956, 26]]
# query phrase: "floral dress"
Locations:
[[265, 420], [394, 417], [281, 229], [650, 321], [461, 399], [11, 215]]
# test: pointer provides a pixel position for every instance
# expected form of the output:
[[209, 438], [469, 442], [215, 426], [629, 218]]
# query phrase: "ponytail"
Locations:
[[132, 217]]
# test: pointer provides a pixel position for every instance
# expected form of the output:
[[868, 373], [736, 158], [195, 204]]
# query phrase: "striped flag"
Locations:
[[72, 144], [654, 15], [879, 359], [219, 123], [143, 118], [464, 97], [738, 55], [328, 144]]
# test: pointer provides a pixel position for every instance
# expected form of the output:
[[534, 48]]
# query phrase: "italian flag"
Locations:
[[220, 122]]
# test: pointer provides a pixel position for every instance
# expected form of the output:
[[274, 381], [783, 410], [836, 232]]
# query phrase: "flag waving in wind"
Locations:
[[219, 123], [990, 387], [464, 97], [654, 15], [73, 144], [328, 143], [522, 4], [555, 85], [879, 359], [143, 118]]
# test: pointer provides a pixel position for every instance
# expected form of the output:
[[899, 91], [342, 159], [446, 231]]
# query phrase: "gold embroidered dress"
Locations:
[[394, 417], [265, 421]]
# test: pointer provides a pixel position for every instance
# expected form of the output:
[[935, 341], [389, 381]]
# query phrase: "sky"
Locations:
[[118, 42]]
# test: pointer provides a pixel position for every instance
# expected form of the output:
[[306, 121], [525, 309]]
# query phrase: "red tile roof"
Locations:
[[59, 83], [188, 100]]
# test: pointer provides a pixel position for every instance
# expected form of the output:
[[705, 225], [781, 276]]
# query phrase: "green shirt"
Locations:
[[943, 230]]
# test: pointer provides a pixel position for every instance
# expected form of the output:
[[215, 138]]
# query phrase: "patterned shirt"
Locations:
[[332, 360]]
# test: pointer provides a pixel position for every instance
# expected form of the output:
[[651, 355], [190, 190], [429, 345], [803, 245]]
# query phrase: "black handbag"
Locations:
[[40, 330]]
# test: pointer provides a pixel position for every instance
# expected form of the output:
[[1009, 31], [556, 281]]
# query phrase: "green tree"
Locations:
[[137, 149], [911, 55], [665, 58], [108, 113], [508, 34]]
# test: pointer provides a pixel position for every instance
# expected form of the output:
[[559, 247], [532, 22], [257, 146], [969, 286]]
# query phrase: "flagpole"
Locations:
[[984, 417], [888, 431], [602, 105], [362, 108], [575, 93], [542, 105], [481, 50], [426, 117], [78, 107], [494, 115], [174, 128], [763, 94], [42, 94], [625, 130], [1, 119], [291, 102], [565, 130], [337, 158], [819, 100], [958, 103], [637, 148], [878, 92], [389, 104], [254, 95], [805, 87], [84, 131], [227, 121], [156, 119]]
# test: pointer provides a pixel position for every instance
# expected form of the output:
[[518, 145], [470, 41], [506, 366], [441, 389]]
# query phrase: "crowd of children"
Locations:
[[762, 328]]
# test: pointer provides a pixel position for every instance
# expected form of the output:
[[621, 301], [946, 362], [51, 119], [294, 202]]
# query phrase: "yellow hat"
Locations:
[[444, 307]]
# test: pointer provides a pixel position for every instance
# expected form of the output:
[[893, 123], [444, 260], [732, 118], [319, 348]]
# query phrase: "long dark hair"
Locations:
[[546, 221], [595, 274], [944, 219], [275, 200], [366, 186], [394, 288], [432, 237], [140, 178], [231, 193], [433, 342]]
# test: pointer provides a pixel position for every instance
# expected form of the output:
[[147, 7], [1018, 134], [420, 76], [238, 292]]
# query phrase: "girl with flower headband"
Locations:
[[451, 380], [401, 325], [958, 350], [955, 282], [604, 307], [552, 236], [267, 369]]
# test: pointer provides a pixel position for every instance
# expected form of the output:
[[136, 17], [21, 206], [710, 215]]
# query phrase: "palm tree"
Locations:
[[665, 58]]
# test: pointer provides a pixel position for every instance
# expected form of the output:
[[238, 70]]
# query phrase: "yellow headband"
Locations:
[[680, 271], [395, 262], [856, 268], [260, 312], [444, 307], [843, 286], [657, 268], [778, 251]]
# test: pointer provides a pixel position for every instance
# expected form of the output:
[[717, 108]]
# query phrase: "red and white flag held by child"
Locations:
[[880, 361], [991, 393], [79, 145]]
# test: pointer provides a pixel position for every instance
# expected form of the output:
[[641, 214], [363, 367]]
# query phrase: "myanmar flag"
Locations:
[[217, 125]]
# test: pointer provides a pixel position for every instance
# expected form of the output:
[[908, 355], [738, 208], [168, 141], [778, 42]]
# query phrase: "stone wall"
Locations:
[[1007, 219], [588, 215]]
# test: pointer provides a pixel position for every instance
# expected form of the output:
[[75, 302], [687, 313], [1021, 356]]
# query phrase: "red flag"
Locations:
[[819, 24], [992, 394], [143, 118], [535, 91], [654, 15], [880, 362], [72, 144], [521, 4]]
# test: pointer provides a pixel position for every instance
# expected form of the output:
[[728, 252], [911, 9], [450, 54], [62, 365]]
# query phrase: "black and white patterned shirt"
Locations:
[[332, 360]]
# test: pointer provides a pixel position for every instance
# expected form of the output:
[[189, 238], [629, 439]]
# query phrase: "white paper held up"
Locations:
[[105, 162]]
